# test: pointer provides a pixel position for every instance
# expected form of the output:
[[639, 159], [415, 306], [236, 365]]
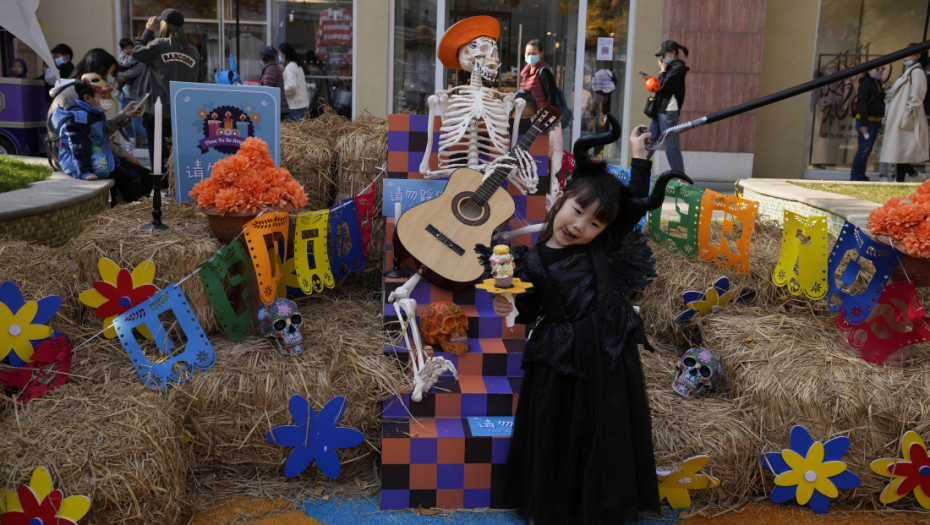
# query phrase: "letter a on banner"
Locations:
[[345, 240], [732, 208], [365, 204], [681, 235], [267, 230], [212, 273], [174, 365], [802, 263], [856, 307], [314, 272]]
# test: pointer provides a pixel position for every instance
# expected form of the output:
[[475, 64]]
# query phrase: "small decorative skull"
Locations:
[[281, 323], [697, 374], [445, 324], [482, 55]]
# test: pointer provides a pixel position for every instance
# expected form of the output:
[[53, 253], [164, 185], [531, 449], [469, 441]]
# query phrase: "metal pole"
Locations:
[[238, 58], [790, 92]]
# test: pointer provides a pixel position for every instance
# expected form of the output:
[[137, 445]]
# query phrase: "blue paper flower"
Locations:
[[810, 471], [700, 304], [22, 324], [314, 437]]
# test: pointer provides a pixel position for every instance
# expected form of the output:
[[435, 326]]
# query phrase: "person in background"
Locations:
[[537, 78], [272, 76], [18, 68], [906, 140], [84, 151], [167, 56], [62, 54], [669, 99], [127, 71], [870, 108], [295, 85]]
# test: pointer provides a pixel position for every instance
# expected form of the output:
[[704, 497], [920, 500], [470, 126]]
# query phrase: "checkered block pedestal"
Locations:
[[431, 455]]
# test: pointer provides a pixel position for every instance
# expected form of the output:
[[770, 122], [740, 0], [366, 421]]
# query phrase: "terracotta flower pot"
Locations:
[[917, 268], [227, 225]]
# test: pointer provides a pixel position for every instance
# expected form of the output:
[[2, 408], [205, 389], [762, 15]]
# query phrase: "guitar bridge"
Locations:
[[445, 240]]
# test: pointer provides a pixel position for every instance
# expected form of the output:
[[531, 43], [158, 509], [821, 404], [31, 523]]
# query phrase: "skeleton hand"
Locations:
[[429, 374], [522, 168]]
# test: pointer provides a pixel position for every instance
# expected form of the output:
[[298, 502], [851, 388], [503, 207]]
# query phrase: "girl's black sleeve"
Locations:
[[638, 187]]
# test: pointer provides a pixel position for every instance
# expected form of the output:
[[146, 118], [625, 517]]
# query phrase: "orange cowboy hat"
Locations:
[[463, 32]]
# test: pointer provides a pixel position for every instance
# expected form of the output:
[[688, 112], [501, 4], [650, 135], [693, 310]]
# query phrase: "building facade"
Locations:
[[378, 56]]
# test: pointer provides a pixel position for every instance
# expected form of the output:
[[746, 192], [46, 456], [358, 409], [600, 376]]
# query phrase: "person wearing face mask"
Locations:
[[669, 99], [104, 64], [84, 151], [272, 76], [870, 108], [537, 78], [62, 54], [906, 140], [295, 85]]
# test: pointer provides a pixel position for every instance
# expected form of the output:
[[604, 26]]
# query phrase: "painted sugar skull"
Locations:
[[445, 324], [482, 54], [697, 374], [281, 323]]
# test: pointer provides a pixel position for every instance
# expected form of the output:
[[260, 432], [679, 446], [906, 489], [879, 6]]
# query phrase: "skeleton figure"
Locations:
[[426, 370], [281, 323], [697, 374], [472, 110]]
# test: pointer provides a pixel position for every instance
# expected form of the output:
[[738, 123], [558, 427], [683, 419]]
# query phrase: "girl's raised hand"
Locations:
[[502, 306]]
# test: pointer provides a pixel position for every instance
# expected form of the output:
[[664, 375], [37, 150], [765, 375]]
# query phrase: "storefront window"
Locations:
[[414, 55], [604, 69], [851, 33]]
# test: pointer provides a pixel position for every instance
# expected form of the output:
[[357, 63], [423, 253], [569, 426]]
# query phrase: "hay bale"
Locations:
[[176, 252], [795, 371], [662, 300], [246, 394], [119, 445], [307, 153]]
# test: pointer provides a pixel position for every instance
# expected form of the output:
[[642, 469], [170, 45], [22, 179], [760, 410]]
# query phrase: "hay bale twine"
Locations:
[[119, 445], [176, 252], [246, 394]]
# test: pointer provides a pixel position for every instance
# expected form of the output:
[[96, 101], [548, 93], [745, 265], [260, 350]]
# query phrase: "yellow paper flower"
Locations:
[[40, 486], [674, 485], [22, 322], [912, 473], [118, 291]]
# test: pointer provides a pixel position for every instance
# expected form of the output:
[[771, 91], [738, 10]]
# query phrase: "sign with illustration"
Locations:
[[210, 121]]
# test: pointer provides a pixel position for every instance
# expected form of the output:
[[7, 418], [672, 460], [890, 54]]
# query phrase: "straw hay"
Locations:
[[307, 153], [176, 252], [246, 394], [117, 444]]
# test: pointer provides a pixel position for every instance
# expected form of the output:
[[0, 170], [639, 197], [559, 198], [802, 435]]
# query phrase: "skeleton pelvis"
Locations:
[[441, 233]]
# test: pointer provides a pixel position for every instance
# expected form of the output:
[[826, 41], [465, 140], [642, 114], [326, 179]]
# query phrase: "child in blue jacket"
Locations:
[[84, 146]]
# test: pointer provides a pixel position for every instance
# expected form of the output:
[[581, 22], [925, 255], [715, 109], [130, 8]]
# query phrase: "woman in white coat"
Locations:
[[906, 138], [295, 84]]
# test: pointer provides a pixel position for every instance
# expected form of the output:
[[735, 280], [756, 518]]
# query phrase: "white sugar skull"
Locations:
[[281, 323], [697, 374], [481, 56]]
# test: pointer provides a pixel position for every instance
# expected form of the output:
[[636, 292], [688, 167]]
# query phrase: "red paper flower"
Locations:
[[35, 511], [123, 296]]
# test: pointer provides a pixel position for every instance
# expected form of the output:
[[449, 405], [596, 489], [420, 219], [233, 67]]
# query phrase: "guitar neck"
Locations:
[[490, 185]]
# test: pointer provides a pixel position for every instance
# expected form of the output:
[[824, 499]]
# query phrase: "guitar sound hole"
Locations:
[[468, 210]]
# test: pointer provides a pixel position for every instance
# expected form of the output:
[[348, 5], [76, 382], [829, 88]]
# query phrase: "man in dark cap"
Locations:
[[167, 55], [669, 99]]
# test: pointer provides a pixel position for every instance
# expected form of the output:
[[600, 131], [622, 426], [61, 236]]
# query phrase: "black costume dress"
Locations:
[[581, 450]]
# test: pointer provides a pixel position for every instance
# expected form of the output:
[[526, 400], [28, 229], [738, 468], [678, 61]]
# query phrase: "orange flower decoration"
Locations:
[[905, 221], [248, 182]]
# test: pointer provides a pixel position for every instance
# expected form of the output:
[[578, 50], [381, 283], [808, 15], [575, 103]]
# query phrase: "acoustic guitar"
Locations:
[[441, 234]]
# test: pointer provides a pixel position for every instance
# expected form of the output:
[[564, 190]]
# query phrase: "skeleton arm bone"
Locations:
[[433, 101]]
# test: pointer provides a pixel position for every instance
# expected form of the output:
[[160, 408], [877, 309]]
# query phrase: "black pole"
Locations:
[[790, 92], [238, 59]]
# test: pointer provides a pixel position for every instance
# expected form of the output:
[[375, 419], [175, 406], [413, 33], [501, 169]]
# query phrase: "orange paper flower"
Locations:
[[248, 182], [905, 221]]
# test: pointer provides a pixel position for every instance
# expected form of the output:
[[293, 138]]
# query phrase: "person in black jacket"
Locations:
[[582, 449], [669, 99], [870, 109]]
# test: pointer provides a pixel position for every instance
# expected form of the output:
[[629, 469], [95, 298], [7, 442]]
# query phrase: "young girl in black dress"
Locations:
[[582, 443]]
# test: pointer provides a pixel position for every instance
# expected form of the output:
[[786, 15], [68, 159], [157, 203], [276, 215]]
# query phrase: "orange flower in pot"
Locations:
[[243, 185], [904, 222]]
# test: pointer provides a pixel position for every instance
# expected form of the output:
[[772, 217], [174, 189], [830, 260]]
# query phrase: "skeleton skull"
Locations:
[[445, 324], [697, 374], [481, 56], [281, 323]]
